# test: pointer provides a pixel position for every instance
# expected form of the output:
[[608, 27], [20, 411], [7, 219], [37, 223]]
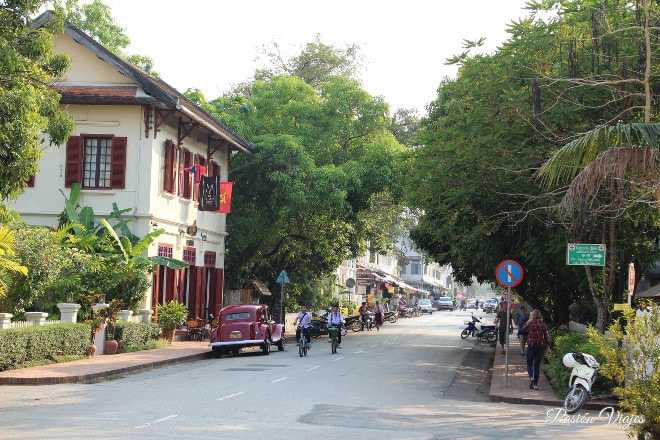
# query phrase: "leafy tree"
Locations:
[[323, 159], [54, 269], [315, 64], [487, 133], [96, 20], [8, 264], [28, 105], [608, 171]]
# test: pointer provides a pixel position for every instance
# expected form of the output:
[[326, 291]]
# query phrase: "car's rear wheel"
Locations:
[[281, 343], [217, 352], [265, 348]]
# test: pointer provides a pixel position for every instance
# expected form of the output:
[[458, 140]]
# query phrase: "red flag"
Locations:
[[225, 197]]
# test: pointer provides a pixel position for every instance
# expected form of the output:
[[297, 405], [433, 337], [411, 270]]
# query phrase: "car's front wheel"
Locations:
[[217, 352], [281, 343], [265, 348]]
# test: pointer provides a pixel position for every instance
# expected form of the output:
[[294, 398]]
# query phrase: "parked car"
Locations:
[[426, 306], [246, 325], [445, 303], [490, 305]]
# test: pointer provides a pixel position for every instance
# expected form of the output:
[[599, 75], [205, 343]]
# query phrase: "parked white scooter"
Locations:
[[582, 378]]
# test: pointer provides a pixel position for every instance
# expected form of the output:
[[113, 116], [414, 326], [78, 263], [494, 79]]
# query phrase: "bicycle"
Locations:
[[334, 339], [302, 343]]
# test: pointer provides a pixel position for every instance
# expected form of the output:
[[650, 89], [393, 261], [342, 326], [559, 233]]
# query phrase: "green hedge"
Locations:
[[135, 334], [37, 343]]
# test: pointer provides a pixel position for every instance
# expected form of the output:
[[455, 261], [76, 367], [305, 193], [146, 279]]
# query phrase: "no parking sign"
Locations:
[[509, 273]]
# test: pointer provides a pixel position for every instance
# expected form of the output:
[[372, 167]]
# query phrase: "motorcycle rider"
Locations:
[[303, 322], [336, 319], [364, 311]]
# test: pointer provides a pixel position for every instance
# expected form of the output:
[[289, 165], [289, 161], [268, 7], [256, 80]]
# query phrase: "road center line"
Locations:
[[155, 422], [230, 396], [280, 379], [314, 368]]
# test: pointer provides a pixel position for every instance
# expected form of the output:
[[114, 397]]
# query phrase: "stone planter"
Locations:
[[167, 333], [111, 346]]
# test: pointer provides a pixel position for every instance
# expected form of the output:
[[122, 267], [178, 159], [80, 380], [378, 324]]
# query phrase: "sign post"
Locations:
[[631, 282], [282, 279], [509, 273]]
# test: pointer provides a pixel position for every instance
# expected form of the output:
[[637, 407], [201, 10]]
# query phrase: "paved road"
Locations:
[[415, 379]]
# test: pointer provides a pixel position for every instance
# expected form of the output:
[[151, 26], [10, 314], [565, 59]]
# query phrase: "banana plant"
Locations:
[[132, 253]]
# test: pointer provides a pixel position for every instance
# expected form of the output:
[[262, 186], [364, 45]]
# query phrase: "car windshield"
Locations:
[[425, 301], [445, 299]]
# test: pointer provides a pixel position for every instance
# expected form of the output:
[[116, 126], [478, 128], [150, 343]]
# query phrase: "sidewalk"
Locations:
[[514, 386], [105, 367]]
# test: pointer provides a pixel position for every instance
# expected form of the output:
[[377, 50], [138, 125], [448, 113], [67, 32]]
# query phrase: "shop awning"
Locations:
[[382, 278], [652, 292]]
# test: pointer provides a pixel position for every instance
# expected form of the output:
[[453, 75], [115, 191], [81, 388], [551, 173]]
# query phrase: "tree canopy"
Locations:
[[496, 123], [29, 107]]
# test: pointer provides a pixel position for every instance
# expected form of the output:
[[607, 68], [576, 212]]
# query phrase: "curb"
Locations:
[[100, 376]]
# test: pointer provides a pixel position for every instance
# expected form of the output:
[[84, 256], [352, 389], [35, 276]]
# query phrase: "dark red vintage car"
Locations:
[[246, 325]]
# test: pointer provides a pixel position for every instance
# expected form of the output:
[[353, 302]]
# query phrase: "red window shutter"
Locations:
[[74, 158], [213, 169], [185, 178], [118, 163], [169, 180], [30, 182]]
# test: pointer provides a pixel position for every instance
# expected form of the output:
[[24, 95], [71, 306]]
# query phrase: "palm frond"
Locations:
[[575, 156]]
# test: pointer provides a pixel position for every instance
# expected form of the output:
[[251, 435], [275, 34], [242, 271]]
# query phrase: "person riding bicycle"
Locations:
[[303, 322], [336, 319]]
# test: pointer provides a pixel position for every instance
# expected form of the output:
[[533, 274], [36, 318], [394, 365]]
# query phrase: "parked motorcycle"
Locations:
[[583, 374], [390, 316], [319, 327], [475, 328], [353, 322]]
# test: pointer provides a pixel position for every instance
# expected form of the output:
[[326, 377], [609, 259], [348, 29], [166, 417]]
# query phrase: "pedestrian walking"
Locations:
[[502, 325], [521, 318], [538, 343], [378, 315]]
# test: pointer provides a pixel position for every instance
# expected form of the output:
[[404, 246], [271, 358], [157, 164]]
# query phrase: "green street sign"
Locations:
[[585, 254]]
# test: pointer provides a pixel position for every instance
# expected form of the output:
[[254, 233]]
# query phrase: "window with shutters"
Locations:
[[189, 255], [171, 153], [96, 161], [185, 178], [209, 259], [97, 154], [165, 250]]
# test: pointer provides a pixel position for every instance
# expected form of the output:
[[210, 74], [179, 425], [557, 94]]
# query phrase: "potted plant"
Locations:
[[169, 315]]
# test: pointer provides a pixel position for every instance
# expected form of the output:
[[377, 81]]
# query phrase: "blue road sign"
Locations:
[[282, 278], [509, 273]]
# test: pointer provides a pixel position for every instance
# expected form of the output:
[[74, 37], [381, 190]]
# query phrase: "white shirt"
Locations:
[[335, 318], [304, 319]]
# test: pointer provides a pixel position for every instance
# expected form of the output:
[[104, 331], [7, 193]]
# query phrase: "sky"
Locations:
[[213, 44]]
